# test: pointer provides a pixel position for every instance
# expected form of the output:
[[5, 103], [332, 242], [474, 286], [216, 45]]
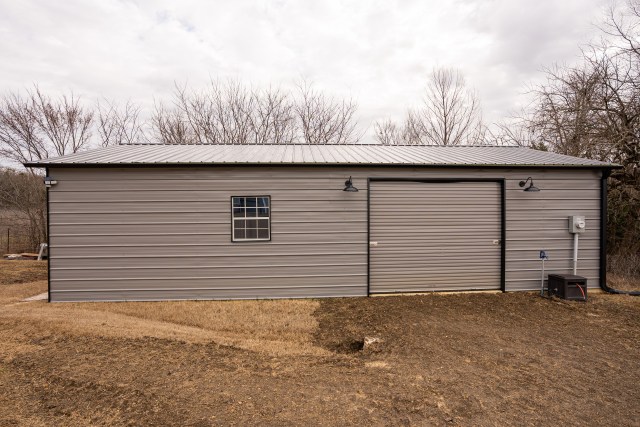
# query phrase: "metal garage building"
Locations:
[[158, 222]]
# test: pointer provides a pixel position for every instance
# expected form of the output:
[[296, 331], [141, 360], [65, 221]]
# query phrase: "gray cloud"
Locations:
[[377, 52]]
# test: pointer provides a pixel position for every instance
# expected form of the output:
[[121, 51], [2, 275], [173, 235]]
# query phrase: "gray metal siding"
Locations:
[[538, 221], [434, 236], [164, 233]]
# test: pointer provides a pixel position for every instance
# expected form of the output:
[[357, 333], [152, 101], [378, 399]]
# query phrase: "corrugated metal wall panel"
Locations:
[[539, 221], [288, 289], [189, 227], [167, 236], [413, 253], [214, 249], [160, 282], [201, 239]]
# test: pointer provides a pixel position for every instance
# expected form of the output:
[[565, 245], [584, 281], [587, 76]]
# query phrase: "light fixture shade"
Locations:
[[531, 187], [348, 186]]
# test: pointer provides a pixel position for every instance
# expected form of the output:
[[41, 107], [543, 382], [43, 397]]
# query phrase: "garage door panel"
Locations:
[[430, 236], [432, 263]]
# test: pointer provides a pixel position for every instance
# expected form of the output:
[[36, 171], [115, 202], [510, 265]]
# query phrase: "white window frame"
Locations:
[[245, 218]]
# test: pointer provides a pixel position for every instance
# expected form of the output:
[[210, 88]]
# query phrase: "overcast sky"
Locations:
[[378, 52]]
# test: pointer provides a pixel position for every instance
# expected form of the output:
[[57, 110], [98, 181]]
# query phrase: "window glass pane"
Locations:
[[238, 233], [251, 218]]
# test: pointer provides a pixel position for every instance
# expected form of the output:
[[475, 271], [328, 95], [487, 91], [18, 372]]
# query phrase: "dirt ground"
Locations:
[[452, 359]]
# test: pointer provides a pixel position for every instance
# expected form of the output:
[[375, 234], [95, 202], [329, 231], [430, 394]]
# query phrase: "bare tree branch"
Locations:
[[23, 194], [450, 115], [230, 113], [119, 126], [35, 127], [64, 123], [324, 120], [593, 110], [170, 126]]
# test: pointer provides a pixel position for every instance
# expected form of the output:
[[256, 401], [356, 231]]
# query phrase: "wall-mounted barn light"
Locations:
[[531, 187], [348, 186], [49, 181]]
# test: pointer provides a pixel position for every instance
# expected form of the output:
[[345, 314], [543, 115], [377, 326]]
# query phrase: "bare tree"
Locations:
[[195, 116], [22, 197], [118, 126], [324, 120], [274, 118], [36, 126], [233, 106], [20, 138], [515, 131], [413, 131], [65, 123], [563, 119], [450, 115], [451, 111], [388, 132], [623, 27], [593, 110], [171, 126], [231, 113]]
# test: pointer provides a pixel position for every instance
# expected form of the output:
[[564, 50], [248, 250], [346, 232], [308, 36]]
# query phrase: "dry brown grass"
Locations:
[[624, 264], [19, 291], [624, 271], [12, 272], [274, 327], [623, 282], [202, 322]]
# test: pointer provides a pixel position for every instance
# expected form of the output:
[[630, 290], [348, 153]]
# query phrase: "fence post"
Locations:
[[8, 237]]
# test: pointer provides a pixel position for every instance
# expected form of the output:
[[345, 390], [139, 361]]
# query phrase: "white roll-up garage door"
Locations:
[[434, 236]]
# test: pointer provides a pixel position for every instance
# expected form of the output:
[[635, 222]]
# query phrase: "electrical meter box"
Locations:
[[577, 224]]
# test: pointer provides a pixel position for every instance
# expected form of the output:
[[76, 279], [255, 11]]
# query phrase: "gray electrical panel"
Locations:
[[577, 224]]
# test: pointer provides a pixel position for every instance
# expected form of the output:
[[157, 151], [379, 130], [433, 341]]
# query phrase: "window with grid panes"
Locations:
[[251, 218]]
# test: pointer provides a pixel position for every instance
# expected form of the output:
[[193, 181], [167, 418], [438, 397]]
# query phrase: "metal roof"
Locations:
[[299, 154]]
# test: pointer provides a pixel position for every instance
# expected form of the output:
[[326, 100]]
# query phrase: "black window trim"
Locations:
[[231, 226]]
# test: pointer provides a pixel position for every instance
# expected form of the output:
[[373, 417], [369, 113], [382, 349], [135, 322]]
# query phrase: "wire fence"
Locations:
[[14, 240]]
